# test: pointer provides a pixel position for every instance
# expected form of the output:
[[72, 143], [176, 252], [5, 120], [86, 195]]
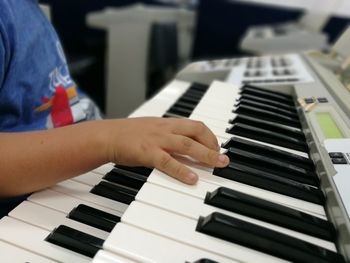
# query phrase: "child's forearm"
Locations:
[[34, 160], [31, 161]]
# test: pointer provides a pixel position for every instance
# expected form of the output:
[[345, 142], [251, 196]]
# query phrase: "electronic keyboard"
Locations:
[[275, 202]]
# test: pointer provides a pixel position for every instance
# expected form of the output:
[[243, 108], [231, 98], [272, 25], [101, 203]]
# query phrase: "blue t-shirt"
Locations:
[[36, 90]]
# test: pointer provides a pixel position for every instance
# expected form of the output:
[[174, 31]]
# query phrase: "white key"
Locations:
[[81, 191], [89, 178], [192, 207], [182, 229], [65, 203], [14, 254], [49, 219], [32, 238], [103, 169], [106, 257], [208, 182], [159, 104], [144, 246]]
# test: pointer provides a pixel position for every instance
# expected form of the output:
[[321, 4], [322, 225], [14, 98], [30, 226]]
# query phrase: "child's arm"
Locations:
[[30, 161]]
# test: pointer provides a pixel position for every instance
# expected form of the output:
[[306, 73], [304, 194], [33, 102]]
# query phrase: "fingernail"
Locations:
[[191, 178], [223, 159]]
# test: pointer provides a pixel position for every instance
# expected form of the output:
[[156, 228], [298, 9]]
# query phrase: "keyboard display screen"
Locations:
[[329, 127]]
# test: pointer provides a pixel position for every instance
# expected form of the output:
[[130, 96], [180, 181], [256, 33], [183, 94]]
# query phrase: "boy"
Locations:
[[37, 93]]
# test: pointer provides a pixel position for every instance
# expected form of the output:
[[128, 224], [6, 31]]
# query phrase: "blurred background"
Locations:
[[121, 52]]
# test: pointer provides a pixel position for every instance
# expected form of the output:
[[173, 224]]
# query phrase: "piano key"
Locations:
[[267, 115], [222, 136], [276, 96], [163, 100], [240, 232], [65, 203], [82, 191], [272, 152], [185, 105], [268, 101], [180, 111], [139, 245], [75, 240], [49, 219], [182, 229], [89, 178], [103, 169], [14, 254], [268, 136], [208, 182], [136, 170], [272, 166], [205, 260], [264, 106], [115, 192], [255, 177], [32, 238], [106, 257], [193, 208], [94, 217], [123, 177], [235, 201], [271, 126]]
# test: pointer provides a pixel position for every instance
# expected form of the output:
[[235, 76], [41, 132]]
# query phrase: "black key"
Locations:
[[267, 115], [125, 178], [185, 105], [269, 101], [94, 217], [75, 240], [255, 177], [139, 170], [180, 111], [265, 240], [268, 125], [204, 260], [273, 166], [261, 209], [189, 99], [199, 87], [267, 136], [195, 92], [115, 192], [272, 152], [267, 94], [189, 103], [268, 107], [170, 115]]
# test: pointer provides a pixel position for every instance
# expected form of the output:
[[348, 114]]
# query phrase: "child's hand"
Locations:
[[151, 141]]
